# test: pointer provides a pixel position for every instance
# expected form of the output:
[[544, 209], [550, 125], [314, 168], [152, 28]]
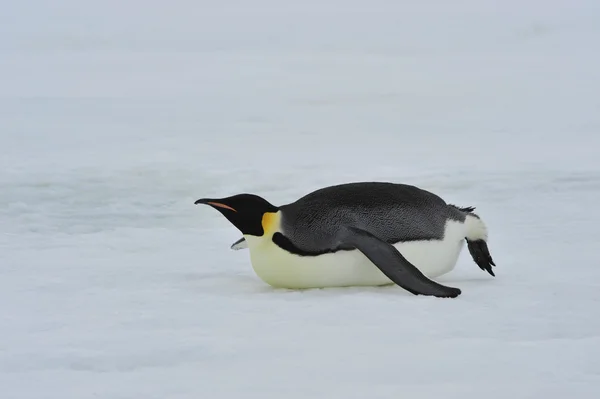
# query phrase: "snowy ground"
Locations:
[[116, 116]]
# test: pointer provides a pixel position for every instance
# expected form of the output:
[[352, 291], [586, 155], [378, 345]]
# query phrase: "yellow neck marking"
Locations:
[[270, 222]]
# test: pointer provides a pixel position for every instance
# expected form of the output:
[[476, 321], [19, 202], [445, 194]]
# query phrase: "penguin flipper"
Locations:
[[395, 266], [239, 244]]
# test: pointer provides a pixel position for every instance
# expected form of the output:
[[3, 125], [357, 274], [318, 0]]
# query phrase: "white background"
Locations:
[[116, 115]]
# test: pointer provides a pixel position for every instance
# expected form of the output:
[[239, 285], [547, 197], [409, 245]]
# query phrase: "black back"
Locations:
[[392, 212]]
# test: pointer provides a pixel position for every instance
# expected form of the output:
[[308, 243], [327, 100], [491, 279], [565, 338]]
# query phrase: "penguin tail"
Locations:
[[476, 236], [466, 209]]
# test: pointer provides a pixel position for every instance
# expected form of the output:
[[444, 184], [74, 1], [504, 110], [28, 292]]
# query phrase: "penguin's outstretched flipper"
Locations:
[[395, 266], [239, 244]]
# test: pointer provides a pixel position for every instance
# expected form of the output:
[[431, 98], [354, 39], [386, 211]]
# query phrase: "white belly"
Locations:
[[280, 268]]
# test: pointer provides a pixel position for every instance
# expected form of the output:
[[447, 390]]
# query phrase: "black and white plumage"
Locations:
[[370, 233]]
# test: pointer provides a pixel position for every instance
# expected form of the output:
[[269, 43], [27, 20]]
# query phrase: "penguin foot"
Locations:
[[481, 255]]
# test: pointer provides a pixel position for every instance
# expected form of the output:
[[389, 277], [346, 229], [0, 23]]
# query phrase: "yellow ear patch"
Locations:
[[270, 222]]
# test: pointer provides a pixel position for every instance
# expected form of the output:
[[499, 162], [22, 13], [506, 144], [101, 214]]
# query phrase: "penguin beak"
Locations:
[[214, 203]]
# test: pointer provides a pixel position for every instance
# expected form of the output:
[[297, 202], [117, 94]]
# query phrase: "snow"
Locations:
[[116, 116]]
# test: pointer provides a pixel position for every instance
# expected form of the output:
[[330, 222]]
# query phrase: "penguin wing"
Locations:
[[395, 266], [239, 244]]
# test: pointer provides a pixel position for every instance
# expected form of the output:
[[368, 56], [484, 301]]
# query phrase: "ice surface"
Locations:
[[116, 116]]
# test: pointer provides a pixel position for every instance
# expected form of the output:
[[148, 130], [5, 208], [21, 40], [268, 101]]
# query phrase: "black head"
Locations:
[[244, 211]]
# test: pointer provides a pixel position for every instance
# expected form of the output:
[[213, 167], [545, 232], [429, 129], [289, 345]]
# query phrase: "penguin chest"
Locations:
[[280, 268]]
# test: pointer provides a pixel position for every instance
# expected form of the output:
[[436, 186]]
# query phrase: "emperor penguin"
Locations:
[[357, 234]]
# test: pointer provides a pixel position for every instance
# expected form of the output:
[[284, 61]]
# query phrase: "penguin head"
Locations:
[[244, 211]]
